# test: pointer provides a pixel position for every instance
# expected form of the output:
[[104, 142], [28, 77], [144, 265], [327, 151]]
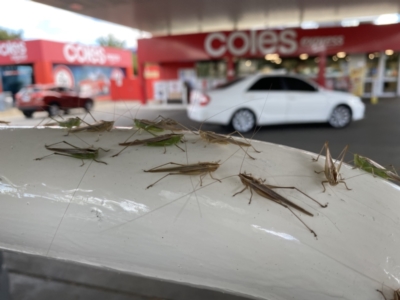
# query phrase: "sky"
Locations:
[[40, 21]]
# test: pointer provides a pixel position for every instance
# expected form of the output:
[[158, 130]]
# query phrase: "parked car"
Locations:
[[273, 99], [49, 98]]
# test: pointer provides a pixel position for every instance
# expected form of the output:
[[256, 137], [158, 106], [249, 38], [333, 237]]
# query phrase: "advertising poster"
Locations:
[[160, 91], [89, 81], [357, 72]]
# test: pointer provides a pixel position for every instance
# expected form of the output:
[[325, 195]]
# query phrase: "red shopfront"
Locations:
[[96, 71], [363, 59]]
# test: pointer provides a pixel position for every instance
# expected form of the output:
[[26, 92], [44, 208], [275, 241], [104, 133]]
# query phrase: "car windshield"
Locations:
[[30, 90]]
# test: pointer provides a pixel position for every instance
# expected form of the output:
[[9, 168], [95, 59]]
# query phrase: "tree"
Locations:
[[110, 41], [10, 34]]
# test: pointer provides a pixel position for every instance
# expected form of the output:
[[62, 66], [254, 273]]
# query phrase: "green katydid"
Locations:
[[373, 167], [75, 152]]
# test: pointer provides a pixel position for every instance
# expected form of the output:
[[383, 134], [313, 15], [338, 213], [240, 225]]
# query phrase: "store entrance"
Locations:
[[14, 78]]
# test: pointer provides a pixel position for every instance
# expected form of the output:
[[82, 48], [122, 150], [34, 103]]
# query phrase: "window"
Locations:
[[267, 84], [294, 84], [228, 84]]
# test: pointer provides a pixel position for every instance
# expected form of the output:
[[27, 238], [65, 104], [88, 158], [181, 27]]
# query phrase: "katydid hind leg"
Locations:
[[68, 155], [40, 158], [119, 151], [312, 231], [161, 179], [179, 147], [342, 155], [241, 135], [168, 163], [295, 188], [325, 146]]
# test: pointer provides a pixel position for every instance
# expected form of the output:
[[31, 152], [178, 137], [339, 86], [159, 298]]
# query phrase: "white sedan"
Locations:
[[273, 99]]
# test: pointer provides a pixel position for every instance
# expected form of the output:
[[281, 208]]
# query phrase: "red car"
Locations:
[[49, 98]]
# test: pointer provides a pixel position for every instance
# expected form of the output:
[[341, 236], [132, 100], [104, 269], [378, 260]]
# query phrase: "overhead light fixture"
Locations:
[[278, 61], [341, 54], [334, 58], [389, 52], [272, 56], [371, 56], [303, 56], [386, 19], [350, 23], [309, 25], [248, 63]]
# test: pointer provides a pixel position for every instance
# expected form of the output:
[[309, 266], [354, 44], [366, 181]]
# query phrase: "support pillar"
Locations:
[[230, 73], [142, 83], [321, 69], [43, 72]]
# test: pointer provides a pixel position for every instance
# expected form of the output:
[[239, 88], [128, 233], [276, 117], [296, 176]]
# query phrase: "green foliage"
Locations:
[[10, 34], [110, 41]]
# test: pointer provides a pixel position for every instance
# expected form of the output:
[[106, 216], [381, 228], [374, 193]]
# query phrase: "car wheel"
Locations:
[[54, 109], [340, 117], [88, 105], [243, 120], [28, 113]]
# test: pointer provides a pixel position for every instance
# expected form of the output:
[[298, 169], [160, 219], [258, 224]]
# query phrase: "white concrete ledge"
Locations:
[[102, 215]]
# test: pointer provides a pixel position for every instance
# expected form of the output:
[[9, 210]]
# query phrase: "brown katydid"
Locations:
[[266, 191], [157, 141], [331, 171], [159, 124], [201, 168], [76, 152], [4, 122], [396, 294], [215, 138]]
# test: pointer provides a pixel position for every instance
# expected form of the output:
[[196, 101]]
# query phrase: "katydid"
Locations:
[[373, 167], [157, 126], [266, 191], [4, 122], [157, 141], [160, 125], [68, 123], [201, 168], [99, 126], [75, 152], [331, 171], [215, 138]]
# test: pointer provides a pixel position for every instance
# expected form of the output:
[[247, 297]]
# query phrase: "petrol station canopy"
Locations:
[[164, 17]]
